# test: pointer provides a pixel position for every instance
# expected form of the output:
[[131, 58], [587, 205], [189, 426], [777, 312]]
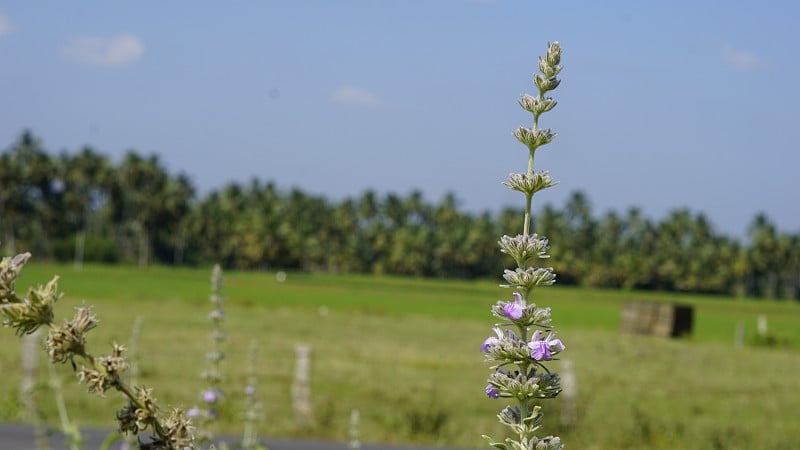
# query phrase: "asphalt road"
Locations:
[[22, 437]]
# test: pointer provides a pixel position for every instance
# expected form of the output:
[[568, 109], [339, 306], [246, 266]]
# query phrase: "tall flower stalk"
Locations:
[[67, 342], [524, 341], [212, 395]]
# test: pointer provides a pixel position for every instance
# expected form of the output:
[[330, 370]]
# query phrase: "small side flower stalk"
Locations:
[[524, 341], [133, 351], [67, 342], [72, 433], [212, 395], [253, 413]]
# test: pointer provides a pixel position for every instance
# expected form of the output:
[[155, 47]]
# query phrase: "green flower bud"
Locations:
[[536, 105], [553, 54], [530, 184], [547, 70], [545, 83], [524, 248], [527, 279], [534, 138]]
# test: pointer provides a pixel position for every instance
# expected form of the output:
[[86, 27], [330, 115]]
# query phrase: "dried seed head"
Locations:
[[68, 340], [10, 267]]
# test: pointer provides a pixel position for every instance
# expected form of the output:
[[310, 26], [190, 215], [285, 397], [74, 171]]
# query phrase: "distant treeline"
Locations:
[[82, 207]]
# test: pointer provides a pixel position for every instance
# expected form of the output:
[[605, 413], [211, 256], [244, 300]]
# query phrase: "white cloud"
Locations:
[[355, 96], [104, 51], [740, 59], [6, 26]]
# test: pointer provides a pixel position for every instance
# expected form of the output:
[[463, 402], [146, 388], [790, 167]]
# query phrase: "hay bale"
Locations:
[[657, 319]]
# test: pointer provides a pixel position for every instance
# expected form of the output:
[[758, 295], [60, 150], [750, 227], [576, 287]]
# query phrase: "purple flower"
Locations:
[[194, 411], [543, 349], [249, 390], [492, 391], [557, 346], [513, 310], [491, 341], [539, 350], [209, 396], [488, 344]]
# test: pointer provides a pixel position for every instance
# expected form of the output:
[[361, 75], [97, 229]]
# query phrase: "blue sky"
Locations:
[[663, 104]]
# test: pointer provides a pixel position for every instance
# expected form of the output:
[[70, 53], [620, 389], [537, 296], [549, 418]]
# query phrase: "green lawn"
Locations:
[[404, 352]]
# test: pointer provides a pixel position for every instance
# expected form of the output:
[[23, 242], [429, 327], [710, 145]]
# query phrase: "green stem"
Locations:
[[67, 427], [523, 368], [527, 225], [111, 439], [529, 198]]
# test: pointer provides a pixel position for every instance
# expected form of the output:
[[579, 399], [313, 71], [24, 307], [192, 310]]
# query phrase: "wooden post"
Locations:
[[569, 395], [301, 388], [761, 323], [739, 340], [30, 365]]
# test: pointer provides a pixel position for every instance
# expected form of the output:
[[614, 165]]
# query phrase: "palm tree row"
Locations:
[[81, 206]]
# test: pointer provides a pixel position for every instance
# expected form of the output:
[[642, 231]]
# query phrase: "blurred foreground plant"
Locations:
[[519, 356], [254, 410], [67, 340]]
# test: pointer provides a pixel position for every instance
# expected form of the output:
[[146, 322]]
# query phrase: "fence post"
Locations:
[[301, 388], [569, 410], [761, 323], [739, 339]]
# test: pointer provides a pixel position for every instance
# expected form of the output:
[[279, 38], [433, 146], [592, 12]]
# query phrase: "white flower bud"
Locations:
[[545, 83]]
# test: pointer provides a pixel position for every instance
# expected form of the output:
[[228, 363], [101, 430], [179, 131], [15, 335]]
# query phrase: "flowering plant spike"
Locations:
[[212, 396], [524, 341]]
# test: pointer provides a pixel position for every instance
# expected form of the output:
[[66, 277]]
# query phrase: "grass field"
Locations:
[[404, 352]]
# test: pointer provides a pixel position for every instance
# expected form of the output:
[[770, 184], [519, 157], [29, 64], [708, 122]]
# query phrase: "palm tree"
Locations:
[[173, 221], [137, 199], [30, 205], [762, 278], [637, 251], [12, 200], [86, 179]]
